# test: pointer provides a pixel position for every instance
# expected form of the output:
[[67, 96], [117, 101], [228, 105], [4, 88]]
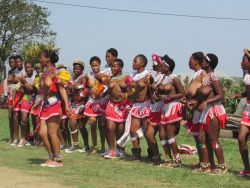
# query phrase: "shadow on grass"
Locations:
[[36, 161], [236, 172], [4, 140]]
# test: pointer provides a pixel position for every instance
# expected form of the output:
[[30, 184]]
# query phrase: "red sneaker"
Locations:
[[22, 142], [195, 166], [244, 173], [55, 164], [111, 155], [46, 163]]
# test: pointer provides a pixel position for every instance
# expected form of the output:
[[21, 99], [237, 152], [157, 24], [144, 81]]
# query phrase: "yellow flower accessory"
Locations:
[[37, 80], [64, 76]]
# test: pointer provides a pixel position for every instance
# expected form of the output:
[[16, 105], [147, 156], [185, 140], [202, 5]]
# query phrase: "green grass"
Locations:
[[84, 170]]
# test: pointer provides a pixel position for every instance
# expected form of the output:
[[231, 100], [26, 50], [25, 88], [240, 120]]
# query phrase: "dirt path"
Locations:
[[10, 177]]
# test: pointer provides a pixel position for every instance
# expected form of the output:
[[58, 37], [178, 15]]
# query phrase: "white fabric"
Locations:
[[107, 70], [171, 106], [52, 100], [157, 106], [171, 140], [210, 111], [158, 78], [246, 80], [248, 111], [196, 74], [31, 79], [138, 76], [168, 79], [18, 73], [196, 117]]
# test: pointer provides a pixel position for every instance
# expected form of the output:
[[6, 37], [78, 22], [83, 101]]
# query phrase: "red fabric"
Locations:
[[95, 108], [9, 100], [26, 106], [192, 128], [177, 113], [17, 102], [48, 112], [37, 112], [215, 111], [53, 86], [141, 110], [118, 112], [245, 121], [154, 118]]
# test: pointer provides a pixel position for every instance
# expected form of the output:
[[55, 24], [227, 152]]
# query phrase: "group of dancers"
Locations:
[[124, 107]]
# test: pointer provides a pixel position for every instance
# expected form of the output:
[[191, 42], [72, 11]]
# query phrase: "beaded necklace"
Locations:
[[44, 78], [118, 78]]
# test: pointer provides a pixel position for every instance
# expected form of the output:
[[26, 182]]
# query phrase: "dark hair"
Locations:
[[198, 56], [213, 60], [29, 63], [143, 58], [120, 62], [52, 55], [247, 56], [169, 61], [113, 52], [18, 57], [94, 58], [12, 57]]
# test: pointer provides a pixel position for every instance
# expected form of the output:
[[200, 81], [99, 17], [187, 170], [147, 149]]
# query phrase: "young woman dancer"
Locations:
[[111, 55], [38, 142], [171, 91], [51, 88], [154, 120], [245, 122], [63, 132], [10, 93], [79, 91], [27, 102], [95, 107], [192, 125], [213, 115], [137, 121], [118, 106], [17, 97]]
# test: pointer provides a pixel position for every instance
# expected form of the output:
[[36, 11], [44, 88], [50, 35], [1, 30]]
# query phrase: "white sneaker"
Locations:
[[122, 154], [106, 152], [14, 143], [84, 149], [21, 143], [27, 143], [117, 152]]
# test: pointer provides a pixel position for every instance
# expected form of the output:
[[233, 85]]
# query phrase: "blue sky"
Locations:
[[83, 33]]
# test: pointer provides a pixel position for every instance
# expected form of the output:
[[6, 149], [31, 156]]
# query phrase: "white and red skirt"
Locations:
[[118, 112], [246, 116], [192, 125], [173, 111], [141, 110], [211, 111], [18, 102], [155, 113], [95, 108], [51, 110], [26, 106], [75, 108]]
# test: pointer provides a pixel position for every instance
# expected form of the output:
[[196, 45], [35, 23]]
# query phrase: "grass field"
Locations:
[[85, 170]]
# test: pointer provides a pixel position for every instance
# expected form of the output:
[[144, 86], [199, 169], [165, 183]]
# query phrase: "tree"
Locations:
[[21, 21], [31, 50]]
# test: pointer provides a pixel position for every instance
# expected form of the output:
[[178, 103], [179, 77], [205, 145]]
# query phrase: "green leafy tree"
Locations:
[[31, 51], [21, 21]]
